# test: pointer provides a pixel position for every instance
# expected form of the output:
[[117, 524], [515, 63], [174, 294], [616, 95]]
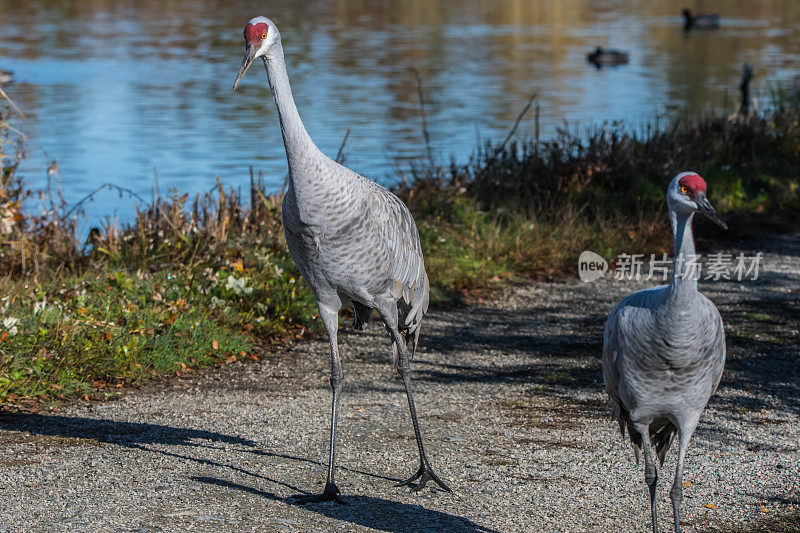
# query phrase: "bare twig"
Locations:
[[425, 132], [52, 169], [511, 133], [109, 186], [10, 101], [522, 113], [744, 88], [340, 153], [158, 188], [12, 128]]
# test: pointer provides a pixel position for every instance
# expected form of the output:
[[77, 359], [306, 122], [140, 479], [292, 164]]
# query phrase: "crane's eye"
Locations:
[[684, 190], [263, 36]]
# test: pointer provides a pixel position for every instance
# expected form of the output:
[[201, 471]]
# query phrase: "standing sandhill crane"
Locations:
[[351, 239], [664, 350]]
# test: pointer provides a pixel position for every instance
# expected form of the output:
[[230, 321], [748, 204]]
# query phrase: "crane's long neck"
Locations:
[[684, 277], [296, 140]]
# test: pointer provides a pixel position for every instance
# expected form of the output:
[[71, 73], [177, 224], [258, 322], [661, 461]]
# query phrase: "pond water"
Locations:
[[114, 89]]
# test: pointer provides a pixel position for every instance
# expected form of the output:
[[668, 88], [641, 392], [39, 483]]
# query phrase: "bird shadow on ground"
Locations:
[[368, 511], [112, 431], [318, 463], [48, 429]]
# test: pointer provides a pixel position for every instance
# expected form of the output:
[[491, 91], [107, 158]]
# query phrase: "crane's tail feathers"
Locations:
[[361, 315], [617, 415], [412, 303], [636, 442], [662, 433], [623, 418], [413, 337], [418, 302]]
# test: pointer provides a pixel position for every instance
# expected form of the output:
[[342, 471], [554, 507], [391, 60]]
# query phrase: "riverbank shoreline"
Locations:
[[194, 283]]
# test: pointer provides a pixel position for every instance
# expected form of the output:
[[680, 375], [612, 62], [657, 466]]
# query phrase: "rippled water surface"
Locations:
[[115, 89]]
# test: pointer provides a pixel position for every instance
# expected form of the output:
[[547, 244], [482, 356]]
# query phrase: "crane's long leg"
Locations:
[[676, 493], [331, 320], [650, 471], [425, 472]]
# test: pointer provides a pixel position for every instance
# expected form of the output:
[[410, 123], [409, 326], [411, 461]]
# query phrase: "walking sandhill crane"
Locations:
[[351, 239], [664, 350]]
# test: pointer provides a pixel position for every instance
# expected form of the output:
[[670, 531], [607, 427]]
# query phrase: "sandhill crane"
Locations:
[[351, 239], [664, 349]]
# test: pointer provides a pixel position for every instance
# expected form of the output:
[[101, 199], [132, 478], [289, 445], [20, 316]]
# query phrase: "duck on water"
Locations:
[[606, 57]]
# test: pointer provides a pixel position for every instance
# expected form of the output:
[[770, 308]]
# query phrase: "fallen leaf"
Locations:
[[686, 483], [763, 509], [710, 506], [215, 344]]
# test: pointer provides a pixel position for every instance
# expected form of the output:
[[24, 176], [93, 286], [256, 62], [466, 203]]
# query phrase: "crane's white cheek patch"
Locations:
[[591, 266]]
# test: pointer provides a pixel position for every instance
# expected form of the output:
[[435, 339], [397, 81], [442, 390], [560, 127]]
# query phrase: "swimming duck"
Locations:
[[699, 22], [602, 57]]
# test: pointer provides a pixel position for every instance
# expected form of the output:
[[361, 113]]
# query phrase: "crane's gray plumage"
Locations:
[[664, 350], [368, 250], [351, 239]]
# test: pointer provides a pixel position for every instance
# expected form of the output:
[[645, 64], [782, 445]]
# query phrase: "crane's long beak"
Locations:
[[708, 210], [249, 56]]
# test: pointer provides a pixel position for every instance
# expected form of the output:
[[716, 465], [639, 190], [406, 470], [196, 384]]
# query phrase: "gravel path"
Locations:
[[512, 408]]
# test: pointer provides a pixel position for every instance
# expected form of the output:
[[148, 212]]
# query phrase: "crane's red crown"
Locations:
[[693, 182], [255, 33]]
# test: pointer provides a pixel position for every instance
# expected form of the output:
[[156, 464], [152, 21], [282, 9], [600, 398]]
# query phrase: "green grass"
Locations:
[[91, 335]]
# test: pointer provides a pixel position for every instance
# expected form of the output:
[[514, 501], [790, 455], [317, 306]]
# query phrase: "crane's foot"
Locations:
[[424, 474], [330, 494]]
